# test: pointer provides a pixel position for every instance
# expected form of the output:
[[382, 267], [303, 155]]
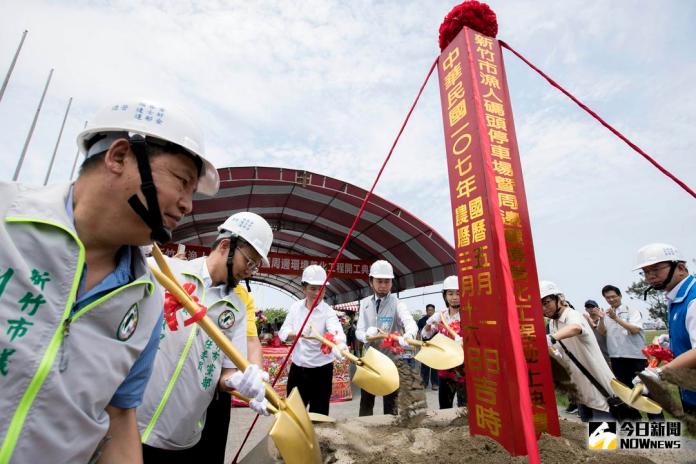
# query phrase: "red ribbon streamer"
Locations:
[[172, 305], [602, 121]]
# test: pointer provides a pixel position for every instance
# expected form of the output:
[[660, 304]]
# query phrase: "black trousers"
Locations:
[[448, 388], [367, 403], [314, 384], [429, 375], [213, 438]]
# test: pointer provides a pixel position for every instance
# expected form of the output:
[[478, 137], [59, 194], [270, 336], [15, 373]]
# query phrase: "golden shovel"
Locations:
[[315, 416], [375, 372], [292, 432], [633, 397], [439, 352]]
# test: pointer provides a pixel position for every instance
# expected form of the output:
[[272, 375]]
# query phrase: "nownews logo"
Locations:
[[634, 435]]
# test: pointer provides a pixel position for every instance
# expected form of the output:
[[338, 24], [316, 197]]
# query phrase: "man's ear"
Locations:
[[115, 158], [224, 244]]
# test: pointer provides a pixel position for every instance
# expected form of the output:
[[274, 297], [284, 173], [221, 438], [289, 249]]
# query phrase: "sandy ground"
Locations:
[[441, 437]]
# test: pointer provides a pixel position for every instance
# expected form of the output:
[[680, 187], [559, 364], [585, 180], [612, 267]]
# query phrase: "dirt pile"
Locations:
[[442, 437]]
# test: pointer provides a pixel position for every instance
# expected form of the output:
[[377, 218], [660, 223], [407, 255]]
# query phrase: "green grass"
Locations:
[[650, 334]]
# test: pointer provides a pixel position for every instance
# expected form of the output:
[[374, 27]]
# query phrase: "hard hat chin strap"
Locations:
[[231, 282], [662, 285], [151, 215]]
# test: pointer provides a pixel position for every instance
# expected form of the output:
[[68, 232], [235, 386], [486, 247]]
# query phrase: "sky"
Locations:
[[324, 86]]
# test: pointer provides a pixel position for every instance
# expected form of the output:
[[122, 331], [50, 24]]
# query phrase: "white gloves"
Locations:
[[402, 341], [372, 331], [259, 407], [653, 372], [336, 351], [458, 339], [251, 385], [435, 318]]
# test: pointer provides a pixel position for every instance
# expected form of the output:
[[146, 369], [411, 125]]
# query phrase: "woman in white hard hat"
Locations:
[[664, 268], [311, 370], [191, 377], [75, 365], [571, 336], [452, 381]]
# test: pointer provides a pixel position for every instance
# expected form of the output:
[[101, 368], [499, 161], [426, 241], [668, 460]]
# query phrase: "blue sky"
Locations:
[[324, 86]]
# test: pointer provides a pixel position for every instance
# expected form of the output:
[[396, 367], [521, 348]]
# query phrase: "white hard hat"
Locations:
[[151, 119], [451, 283], [546, 288], [656, 253], [314, 275], [252, 228], [381, 270]]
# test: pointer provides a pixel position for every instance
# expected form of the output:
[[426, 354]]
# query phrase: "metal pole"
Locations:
[[55, 149], [12, 65], [77, 155], [31, 129]]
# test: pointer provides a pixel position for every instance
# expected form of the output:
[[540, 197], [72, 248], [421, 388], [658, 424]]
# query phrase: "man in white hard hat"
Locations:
[[452, 381], [311, 370], [189, 369], [382, 311], [664, 268], [571, 336], [82, 313]]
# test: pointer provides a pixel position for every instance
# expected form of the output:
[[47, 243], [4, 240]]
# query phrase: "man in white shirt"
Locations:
[[623, 327], [570, 331], [311, 370], [382, 311]]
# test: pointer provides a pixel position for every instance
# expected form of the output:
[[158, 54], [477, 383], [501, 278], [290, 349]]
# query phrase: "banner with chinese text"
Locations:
[[493, 244], [289, 264]]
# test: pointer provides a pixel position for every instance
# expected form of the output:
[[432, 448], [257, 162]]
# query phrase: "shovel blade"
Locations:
[[293, 433], [641, 403], [441, 353], [316, 417], [377, 374]]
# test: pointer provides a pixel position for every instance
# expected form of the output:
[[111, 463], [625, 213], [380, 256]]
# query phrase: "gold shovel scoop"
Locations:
[[375, 372], [439, 352], [634, 398], [292, 432]]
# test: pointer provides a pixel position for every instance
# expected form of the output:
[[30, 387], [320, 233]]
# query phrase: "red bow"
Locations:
[[326, 349], [172, 305], [391, 343], [656, 353]]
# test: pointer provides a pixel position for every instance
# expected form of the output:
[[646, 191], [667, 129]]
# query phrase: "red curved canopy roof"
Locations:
[[311, 214]]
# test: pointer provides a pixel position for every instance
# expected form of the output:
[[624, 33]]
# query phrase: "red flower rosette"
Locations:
[[326, 349], [391, 343], [657, 354], [472, 14], [172, 305]]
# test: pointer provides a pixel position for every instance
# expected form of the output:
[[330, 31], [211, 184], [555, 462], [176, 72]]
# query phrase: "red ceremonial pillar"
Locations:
[[509, 384]]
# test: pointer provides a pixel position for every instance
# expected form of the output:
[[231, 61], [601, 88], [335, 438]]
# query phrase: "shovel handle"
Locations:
[[272, 409], [410, 341], [210, 328], [317, 336]]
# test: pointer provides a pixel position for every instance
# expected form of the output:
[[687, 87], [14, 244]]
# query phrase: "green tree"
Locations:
[[657, 303], [275, 316]]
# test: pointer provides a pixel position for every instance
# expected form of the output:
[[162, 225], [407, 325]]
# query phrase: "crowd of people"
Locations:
[[97, 365], [602, 345]]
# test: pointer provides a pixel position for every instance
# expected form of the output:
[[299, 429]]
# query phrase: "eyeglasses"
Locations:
[[653, 270], [252, 265]]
